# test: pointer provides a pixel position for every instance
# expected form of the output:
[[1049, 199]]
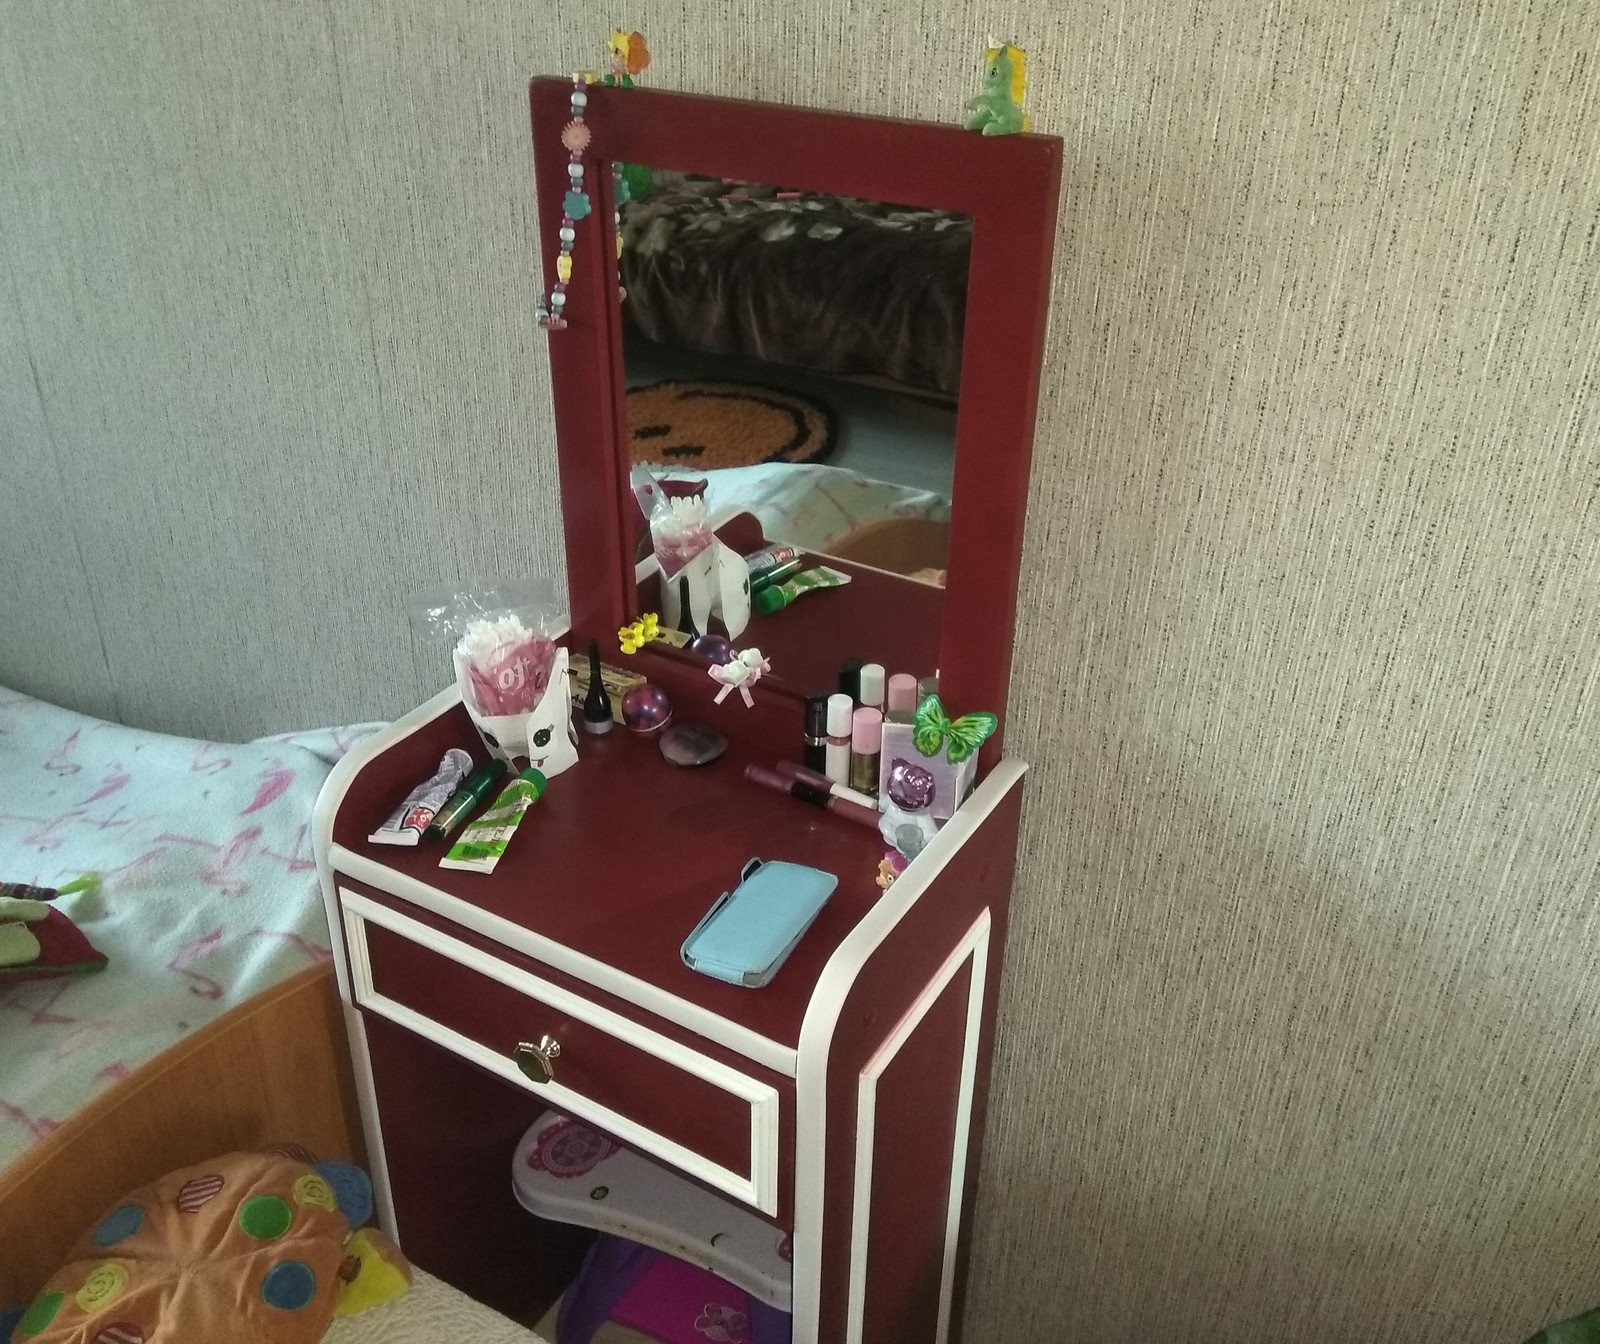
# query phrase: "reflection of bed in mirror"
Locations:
[[801, 351], [809, 279]]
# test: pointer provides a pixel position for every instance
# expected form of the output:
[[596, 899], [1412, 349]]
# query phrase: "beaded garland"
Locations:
[[575, 205]]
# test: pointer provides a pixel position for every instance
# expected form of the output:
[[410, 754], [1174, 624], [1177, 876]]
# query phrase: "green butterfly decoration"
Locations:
[[934, 729]]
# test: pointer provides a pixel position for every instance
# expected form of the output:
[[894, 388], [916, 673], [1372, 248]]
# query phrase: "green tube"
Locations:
[[484, 842], [779, 595], [464, 799]]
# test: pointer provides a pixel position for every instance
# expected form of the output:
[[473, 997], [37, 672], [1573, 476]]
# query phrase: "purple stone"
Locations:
[[911, 787], [646, 710], [714, 649]]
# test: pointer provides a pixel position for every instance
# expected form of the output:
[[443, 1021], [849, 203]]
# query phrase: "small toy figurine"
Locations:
[[629, 56], [998, 109], [645, 630], [742, 673]]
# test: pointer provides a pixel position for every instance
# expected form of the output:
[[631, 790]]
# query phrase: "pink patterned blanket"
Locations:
[[208, 894]]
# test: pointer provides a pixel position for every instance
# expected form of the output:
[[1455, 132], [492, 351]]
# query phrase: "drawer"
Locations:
[[657, 1095]]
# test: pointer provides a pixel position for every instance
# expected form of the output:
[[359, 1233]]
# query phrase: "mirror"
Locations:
[[799, 353], [1005, 189]]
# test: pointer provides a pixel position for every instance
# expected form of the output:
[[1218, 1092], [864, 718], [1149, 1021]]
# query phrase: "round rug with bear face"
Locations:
[[701, 424]]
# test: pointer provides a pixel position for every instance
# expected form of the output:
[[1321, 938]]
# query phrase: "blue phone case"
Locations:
[[748, 933]]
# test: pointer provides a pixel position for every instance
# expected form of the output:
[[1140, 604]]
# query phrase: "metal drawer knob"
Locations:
[[538, 1062]]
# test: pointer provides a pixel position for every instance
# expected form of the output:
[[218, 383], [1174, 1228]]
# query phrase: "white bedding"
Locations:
[[208, 891], [809, 504]]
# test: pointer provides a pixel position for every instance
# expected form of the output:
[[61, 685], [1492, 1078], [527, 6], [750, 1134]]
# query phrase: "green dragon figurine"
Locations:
[[1583, 1329], [998, 109]]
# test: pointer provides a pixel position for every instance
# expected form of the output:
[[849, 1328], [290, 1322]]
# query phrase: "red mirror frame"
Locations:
[[1009, 185]]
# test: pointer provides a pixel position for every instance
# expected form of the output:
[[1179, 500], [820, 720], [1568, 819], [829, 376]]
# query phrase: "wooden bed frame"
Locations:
[[274, 1069]]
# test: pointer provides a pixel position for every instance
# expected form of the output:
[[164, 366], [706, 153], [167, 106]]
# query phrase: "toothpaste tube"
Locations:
[[779, 595], [485, 840], [422, 804], [763, 562]]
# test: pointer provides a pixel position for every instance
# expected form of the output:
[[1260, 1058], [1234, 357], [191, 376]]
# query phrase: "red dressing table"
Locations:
[[844, 1103]]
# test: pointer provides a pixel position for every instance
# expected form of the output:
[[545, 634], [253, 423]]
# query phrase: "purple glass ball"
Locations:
[[646, 710], [911, 788], [714, 649]]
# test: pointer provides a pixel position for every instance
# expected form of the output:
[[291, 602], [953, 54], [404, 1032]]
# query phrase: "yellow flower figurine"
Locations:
[[645, 630]]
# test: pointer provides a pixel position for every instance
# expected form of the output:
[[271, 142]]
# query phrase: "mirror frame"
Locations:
[[1009, 185]]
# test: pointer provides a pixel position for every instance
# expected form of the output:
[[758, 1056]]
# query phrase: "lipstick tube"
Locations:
[[792, 771], [809, 793]]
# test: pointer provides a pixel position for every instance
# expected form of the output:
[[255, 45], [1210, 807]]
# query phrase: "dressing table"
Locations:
[[844, 1102]]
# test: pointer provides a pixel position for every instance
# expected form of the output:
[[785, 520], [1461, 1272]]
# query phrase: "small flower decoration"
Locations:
[[575, 136], [722, 1324], [567, 1150], [643, 631], [576, 204]]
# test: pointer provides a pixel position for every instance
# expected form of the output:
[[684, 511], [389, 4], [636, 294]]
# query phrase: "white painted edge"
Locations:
[[332, 794], [963, 1136], [821, 1020], [973, 947], [702, 1021], [323, 812], [371, 1126], [758, 1187]]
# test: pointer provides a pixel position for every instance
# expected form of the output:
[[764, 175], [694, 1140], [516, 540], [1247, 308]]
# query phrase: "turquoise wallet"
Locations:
[[748, 933]]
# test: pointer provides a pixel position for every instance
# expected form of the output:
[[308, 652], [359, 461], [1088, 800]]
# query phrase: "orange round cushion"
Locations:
[[245, 1248]]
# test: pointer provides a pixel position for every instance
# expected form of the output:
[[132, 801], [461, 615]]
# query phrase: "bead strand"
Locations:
[[574, 206]]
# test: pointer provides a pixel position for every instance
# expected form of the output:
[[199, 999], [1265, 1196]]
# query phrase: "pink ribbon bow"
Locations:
[[741, 674]]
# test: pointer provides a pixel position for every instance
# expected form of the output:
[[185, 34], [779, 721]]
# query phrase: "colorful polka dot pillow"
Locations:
[[248, 1248]]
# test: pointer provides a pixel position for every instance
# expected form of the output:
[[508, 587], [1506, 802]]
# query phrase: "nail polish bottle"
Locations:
[[836, 762], [872, 686], [866, 741]]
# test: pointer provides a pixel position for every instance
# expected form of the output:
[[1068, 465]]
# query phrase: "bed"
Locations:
[[829, 511], [820, 282], [215, 1023]]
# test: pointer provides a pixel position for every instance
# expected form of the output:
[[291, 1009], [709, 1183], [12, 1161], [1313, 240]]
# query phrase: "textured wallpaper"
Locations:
[[1301, 1030]]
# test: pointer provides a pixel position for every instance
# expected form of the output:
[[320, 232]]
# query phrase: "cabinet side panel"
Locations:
[[914, 1107], [976, 879]]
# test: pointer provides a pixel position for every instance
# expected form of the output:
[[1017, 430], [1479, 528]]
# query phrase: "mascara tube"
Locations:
[[815, 754]]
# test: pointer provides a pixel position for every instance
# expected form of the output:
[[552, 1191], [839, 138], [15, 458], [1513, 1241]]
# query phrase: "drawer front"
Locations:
[[708, 1120]]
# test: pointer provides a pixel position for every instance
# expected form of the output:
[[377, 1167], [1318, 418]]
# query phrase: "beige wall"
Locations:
[[1301, 1030]]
